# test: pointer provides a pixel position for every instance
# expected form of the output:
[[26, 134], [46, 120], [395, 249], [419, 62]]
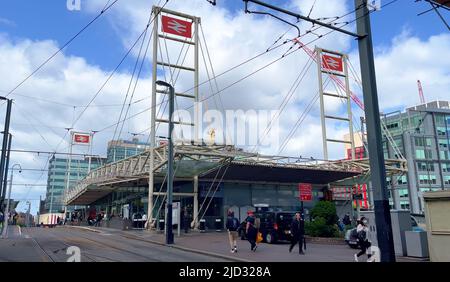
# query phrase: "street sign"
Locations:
[[176, 26], [332, 63], [305, 190], [81, 138]]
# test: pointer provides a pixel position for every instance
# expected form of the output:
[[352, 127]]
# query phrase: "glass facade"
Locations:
[[57, 176], [122, 149]]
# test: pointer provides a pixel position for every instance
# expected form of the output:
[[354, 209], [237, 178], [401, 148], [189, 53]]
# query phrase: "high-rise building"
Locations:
[[422, 136], [57, 178], [122, 149]]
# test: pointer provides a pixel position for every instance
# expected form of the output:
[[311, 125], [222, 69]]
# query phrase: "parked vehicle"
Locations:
[[351, 238], [274, 225]]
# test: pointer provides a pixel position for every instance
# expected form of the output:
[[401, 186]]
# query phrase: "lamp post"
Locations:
[[27, 224], [3, 171], [169, 232], [6, 215]]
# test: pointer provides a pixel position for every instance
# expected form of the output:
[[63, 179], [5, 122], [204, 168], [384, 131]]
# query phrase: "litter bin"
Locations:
[[202, 225], [219, 224], [161, 224]]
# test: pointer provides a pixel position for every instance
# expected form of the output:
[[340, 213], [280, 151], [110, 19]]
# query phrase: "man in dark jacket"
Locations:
[[232, 226], [297, 233]]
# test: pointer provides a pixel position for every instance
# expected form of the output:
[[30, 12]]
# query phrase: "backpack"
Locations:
[[235, 223], [362, 235], [354, 233]]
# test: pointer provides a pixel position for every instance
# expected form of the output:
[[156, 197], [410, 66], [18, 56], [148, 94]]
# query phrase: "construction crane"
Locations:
[[422, 98]]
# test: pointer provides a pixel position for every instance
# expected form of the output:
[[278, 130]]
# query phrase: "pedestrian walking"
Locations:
[[232, 226], [346, 220], [251, 230], [363, 238], [297, 233]]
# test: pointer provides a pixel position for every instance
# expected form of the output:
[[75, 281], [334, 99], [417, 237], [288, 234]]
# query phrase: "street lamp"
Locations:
[[6, 215], [169, 232]]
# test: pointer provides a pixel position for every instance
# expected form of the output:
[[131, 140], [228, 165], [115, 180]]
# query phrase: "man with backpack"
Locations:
[[232, 227]]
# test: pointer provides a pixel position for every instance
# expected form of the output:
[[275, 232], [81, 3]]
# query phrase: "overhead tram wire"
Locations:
[[106, 8], [133, 73], [106, 81], [299, 121], [241, 64], [268, 50], [286, 100]]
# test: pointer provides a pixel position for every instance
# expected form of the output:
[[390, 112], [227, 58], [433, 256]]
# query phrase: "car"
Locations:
[[274, 225]]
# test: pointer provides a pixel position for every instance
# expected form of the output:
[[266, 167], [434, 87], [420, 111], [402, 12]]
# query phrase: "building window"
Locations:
[[427, 179], [440, 131], [447, 179], [392, 125], [445, 167], [404, 205], [422, 142], [423, 166], [424, 154], [420, 154], [402, 180], [444, 155], [403, 193], [443, 144]]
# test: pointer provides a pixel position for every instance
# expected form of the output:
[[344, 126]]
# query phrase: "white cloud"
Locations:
[[231, 38]]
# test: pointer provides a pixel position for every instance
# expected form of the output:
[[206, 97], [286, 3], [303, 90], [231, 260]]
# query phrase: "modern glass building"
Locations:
[[57, 176], [422, 135], [122, 149]]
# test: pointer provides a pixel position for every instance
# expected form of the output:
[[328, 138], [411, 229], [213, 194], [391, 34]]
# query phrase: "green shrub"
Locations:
[[319, 228], [325, 210]]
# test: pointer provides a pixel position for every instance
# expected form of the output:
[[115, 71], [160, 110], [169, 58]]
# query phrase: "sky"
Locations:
[[407, 48]]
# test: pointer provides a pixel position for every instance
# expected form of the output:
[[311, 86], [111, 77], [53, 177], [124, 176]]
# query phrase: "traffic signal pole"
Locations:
[[373, 125], [372, 114]]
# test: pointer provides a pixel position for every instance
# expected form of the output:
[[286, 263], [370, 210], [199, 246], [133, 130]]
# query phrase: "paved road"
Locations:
[[50, 244]]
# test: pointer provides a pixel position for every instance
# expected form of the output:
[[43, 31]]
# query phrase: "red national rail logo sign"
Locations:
[[305, 190], [332, 63], [81, 138], [176, 26]]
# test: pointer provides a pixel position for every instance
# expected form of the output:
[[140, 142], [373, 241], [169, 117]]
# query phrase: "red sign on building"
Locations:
[[305, 190], [176, 26], [81, 138], [332, 63]]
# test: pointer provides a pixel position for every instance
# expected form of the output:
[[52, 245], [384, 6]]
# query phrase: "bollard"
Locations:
[[219, 224], [202, 225]]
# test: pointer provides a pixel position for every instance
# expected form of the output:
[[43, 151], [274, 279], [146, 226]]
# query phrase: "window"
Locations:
[[440, 131], [422, 142], [423, 166], [445, 167], [403, 192], [443, 144], [402, 180], [447, 179], [444, 155], [427, 179], [420, 154], [404, 205], [392, 125]]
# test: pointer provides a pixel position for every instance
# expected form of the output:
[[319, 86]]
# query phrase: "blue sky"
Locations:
[[397, 33]]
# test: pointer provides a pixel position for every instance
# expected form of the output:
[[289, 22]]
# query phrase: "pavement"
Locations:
[[107, 244], [216, 244]]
